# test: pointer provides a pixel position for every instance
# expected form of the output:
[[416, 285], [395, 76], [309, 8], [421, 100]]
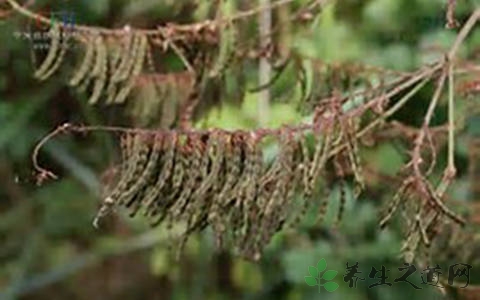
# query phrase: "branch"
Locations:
[[161, 30]]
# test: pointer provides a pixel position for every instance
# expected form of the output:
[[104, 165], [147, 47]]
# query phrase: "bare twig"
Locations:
[[189, 27], [451, 21]]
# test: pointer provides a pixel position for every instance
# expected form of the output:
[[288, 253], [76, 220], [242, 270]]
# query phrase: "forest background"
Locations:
[[49, 248]]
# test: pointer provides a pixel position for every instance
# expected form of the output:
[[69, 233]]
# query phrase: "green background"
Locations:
[[50, 250]]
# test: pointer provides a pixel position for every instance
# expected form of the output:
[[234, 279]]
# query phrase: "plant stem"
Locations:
[[265, 68]]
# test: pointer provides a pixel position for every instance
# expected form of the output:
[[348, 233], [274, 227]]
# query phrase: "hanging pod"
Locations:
[[53, 53]]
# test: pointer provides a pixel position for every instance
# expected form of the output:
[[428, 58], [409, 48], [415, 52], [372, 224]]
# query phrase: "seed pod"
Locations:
[[130, 42], [100, 70], [58, 61], [237, 168], [228, 179], [303, 172], [127, 143], [219, 211], [135, 162], [52, 52], [115, 59], [215, 151], [273, 211], [439, 206], [86, 64], [323, 205], [352, 149], [213, 159], [149, 58], [163, 176], [254, 166], [138, 40], [237, 207], [140, 157], [191, 180], [145, 175], [179, 179], [342, 201], [319, 161], [394, 203], [137, 58]]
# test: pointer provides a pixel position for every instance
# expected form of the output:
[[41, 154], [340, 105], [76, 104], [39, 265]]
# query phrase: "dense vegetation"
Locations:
[[343, 130]]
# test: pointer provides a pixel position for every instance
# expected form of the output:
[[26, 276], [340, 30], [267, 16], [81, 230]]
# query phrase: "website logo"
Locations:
[[38, 34], [321, 278]]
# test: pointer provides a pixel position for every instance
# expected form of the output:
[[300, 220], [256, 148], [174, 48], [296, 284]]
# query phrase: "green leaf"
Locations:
[[311, 281], [321, 265], [330, 286], [329, 275], [307, 64], [313, 271]]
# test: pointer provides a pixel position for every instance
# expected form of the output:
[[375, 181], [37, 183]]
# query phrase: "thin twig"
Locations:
[[474, 17], [182, 57], [189, 27], [44, 173]]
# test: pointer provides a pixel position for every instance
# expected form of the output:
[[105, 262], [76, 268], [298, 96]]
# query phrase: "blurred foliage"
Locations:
[[48, 248]]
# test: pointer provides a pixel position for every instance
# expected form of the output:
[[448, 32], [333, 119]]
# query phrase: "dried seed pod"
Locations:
[[352, 150], [320, 158], [306, 162], [395, 202], [179, 179], [114, 57], [214, 157], [140, 161], [137, 58], [135, 163], [127, 143], [49, 60], [176, 184], [138, 42], [244, 212], [58, 61], [99, 71], [181, 164], [192, 178], [129, 45], [238, 193], [116, 54], [86, 65], [274, 211], [237, 168], [164, 174], [219, 211], [437, 203], [303, 174], [146, 173], [149, 58], [342, 201], [216, 151], [228, 179], [323, 205], [136, 203], [255, 168]]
